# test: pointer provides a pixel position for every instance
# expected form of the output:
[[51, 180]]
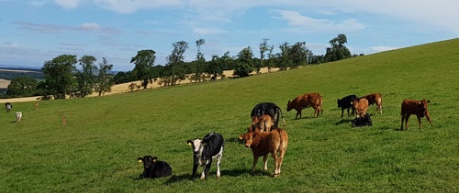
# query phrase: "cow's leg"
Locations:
[[419, 121], [195, 167], [255, 161], [206, 170], [219, 157], [403, 119], [280, 160], [276, 163], [265, 162], [407, 117], [342, 112], [428, 119], [298, 112]]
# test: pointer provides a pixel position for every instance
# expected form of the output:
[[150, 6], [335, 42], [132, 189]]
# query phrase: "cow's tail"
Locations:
[[283, 120]]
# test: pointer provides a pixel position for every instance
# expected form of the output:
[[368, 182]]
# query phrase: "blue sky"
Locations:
[[34, 31]]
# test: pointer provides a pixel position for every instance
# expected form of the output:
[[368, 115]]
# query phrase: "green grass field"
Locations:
[[97, 150]]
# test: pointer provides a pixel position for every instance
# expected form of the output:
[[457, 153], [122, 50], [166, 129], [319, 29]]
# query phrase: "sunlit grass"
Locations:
[[97, 149]]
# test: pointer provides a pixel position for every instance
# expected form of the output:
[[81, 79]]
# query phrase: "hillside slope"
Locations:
[[92, 144]]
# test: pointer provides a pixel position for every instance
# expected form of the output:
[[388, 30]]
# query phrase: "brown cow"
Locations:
[[375, 98], [262, 123], [361, 107], [419, 108], [313, 100], [263, 143]]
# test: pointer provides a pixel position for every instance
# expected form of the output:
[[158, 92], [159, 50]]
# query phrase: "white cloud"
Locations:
[[90, 26], [304, 23], [130, 6], [68, 4]]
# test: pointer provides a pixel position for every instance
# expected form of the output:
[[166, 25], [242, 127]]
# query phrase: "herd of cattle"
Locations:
[[264, 137]]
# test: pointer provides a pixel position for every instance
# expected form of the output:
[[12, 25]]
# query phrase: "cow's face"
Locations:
[[423, 103], [148, 161], [196, 145], [248, 138], [289, 107]]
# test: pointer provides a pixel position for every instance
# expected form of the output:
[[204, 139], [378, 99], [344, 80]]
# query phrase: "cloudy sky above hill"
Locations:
[[34, 31]]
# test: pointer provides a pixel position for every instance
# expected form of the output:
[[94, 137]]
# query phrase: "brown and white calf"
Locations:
[[361, 107], [419, 108], [375, 98], [263, 143]]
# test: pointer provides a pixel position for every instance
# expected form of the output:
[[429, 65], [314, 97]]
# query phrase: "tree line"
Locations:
[[61, 76]]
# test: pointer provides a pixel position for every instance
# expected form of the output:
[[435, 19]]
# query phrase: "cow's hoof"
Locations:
[[276, 175]]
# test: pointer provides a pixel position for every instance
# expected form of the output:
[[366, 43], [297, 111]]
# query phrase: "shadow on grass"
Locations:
[[344, 121], [187, 177]]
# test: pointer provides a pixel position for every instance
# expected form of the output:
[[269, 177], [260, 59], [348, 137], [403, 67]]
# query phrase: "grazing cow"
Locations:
[[346, 103], [8, 106], [211, 146], [419, 108], [264, 123], [361, 107], [268, 108], [375, 98], [153, 168], [18, 116], [313, 100], [362, 121], [263, 143]]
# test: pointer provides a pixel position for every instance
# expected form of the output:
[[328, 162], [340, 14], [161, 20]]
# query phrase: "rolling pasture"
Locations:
[[97, 149]]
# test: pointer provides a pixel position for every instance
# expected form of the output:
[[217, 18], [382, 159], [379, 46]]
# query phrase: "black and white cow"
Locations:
[[346, 103], [153, 168], [267, 108], [362, 121], [204, 150], [8, 106]]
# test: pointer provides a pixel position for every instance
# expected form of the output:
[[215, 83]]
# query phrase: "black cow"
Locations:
[[346, 103], [8, 106], [211, 146], [153, 168], [268, 108], [362, 121]]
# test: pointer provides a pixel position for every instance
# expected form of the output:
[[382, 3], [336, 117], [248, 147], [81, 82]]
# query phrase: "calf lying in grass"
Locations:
[[153, 168]]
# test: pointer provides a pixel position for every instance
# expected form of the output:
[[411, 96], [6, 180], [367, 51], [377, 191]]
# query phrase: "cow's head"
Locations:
[[289, 106], [196, 145], [248, 138], [423, 103], [148, 161]]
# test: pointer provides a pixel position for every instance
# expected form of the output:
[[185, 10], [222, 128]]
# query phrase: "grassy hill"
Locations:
[[98, 148]]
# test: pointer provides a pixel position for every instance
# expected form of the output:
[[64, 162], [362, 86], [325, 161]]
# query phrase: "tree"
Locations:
[[284, 57], [338, 50], [198, 66], [104, 77], [144, 61], [270, 55], [215, 66], [299, 54], [175, 61], [263, 48], [22, 86], [244, 65], [86, 76], [59, 75]]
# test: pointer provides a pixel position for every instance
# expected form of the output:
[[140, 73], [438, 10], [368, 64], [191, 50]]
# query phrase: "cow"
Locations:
[[8, 106], [313, 100], [264, 123], [206, 149], [362, 121], [263, 143], [346, 103], [18, 116], [361, 107], [268, 108], [153, 168], [375, 98], [419, 108]]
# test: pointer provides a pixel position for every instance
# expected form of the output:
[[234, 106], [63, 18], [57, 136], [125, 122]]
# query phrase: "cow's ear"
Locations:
[[155, 159], [140, 160], [241, 136], [428, 101], [189, 142], [420, 102]]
